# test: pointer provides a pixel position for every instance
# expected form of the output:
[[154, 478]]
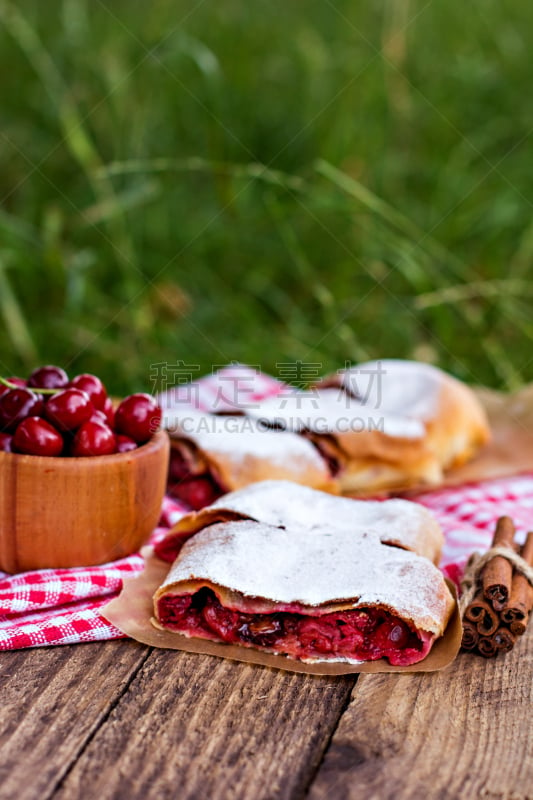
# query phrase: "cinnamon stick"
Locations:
[[500, 609], [503, 639], [470, 636], [482, 615], [518, 626], [498, 573], [520, 603], [487, 647]]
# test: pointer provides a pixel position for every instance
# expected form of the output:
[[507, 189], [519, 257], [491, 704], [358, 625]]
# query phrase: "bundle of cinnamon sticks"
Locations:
[[502, 599]]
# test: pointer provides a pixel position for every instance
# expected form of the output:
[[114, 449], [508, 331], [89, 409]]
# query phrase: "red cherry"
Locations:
[[19, 382], [109, 411], [125, 444], [93, 439], [178, 468], [15, 405], [196, 492], [48, 378], [69, 409], [93, 386], [223, 621], [392, 633], [36, 437], [138, 416], [98, 416], [5, 442]]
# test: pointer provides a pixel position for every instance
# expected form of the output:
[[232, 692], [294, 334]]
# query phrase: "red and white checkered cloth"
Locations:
[[61, 606]]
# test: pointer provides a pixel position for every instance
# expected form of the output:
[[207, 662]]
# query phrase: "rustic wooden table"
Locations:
[[121, 720]]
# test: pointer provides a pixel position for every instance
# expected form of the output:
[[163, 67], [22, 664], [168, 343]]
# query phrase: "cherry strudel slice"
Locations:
[[214, 454], [372, 450], [313, 595], [289, 505], [454, 423]]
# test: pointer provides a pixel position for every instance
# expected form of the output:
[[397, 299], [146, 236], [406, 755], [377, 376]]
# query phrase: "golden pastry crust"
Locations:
[[371, 461]]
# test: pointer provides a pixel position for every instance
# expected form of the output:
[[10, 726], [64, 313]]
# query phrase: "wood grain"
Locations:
[[193, 726], [462, 733], [118, 720], [52, 701]]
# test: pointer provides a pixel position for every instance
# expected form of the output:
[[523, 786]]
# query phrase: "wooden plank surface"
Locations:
[[465, 732], [118, 720], [52, 701], [194, 726]]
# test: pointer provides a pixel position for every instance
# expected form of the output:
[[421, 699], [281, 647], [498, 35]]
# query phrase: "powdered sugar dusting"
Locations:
[[406, 388], [314, 568], [240, 437], [333, 411], [282, 503]]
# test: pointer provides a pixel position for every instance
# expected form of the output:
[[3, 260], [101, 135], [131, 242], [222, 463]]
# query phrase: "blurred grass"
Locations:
[[266, 182]]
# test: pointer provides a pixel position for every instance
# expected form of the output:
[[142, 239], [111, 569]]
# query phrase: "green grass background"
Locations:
[[269, 182]]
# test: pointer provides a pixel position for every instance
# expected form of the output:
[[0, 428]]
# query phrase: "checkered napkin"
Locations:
[[62, 606]]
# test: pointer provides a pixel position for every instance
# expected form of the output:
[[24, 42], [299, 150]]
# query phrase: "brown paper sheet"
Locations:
[[132, 610]]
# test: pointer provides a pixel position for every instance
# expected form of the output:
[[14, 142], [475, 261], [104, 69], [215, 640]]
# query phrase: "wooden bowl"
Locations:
[[70, 512]]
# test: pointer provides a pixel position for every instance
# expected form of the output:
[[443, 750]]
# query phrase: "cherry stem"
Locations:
[[10, 385]]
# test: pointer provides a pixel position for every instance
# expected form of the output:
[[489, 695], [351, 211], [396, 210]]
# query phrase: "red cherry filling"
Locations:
[[196, 492], [391, 633], [138, 416], [190, 479], [222, 621], [359, 634], [36, 437], [181, 466], [15, 405]]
